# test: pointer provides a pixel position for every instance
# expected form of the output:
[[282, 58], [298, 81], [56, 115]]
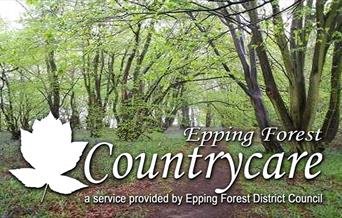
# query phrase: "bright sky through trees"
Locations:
[[11, 11]]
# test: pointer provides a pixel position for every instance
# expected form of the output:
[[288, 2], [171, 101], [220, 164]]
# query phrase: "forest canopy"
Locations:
[[146, 65]]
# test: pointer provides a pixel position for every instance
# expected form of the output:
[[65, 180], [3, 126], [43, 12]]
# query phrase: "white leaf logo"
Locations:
[[51, 153]]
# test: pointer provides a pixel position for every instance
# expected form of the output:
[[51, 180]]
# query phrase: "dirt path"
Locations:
[[202, 186], [183, 186]]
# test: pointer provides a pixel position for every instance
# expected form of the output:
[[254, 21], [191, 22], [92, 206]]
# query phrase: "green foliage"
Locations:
[[178, 51]]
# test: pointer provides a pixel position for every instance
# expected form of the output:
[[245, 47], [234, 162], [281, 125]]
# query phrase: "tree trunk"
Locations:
[[332, 117], [258, 105], [185, 122], [0, 121], [95, 117], [302, 107], [254, 92], [75, 117], [208, 116], [54, 87]]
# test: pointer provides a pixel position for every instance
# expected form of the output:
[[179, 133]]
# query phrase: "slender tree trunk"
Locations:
[[252, 89], [185, 122], [259, 106], [208, 116], [250, 75], [7, 110], [0, 121], [332, 117], [54, 92], [75, 117]]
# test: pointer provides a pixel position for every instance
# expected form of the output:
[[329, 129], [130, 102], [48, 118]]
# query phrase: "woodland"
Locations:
[[141, 66], [138, 73]]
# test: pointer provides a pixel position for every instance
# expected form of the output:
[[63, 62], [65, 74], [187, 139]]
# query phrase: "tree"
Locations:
[[302, 106]]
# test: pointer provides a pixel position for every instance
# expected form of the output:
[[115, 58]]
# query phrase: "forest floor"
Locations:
[[18, 201]]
